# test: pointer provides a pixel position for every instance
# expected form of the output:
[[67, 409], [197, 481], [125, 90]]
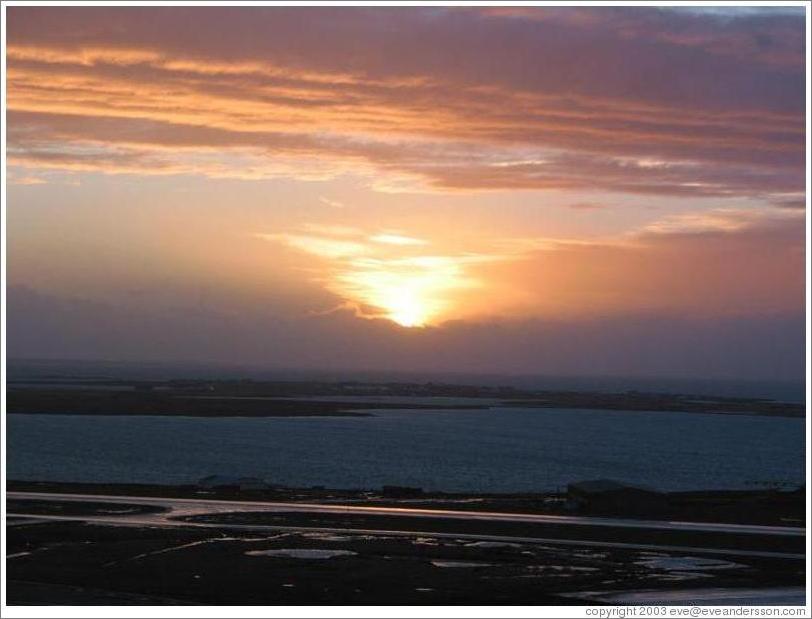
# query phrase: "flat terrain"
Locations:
[[97, 550], [86, 563], [248, 398]]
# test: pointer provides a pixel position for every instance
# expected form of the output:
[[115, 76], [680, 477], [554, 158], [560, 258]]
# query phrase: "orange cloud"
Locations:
[[694, 263], [413, 118], [392, 275], [725, 262]]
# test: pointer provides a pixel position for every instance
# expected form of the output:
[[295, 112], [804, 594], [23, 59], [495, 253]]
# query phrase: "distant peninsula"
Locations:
[[253, 398]]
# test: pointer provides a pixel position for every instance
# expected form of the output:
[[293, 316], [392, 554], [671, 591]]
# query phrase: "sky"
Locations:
[[580, 190]]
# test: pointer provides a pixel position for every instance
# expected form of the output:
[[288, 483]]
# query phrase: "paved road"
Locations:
[[156, 520], [186, 507]]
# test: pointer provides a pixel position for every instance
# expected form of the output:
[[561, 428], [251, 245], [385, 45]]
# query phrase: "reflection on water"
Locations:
[[776, 596]]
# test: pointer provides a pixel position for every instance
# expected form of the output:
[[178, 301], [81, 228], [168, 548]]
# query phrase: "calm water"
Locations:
[[487, 450]]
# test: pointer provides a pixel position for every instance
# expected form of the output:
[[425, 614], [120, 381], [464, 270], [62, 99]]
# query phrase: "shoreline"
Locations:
[[307, 399]]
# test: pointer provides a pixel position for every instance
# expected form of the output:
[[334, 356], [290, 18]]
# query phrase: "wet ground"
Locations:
[[74, 549], [72, 562]]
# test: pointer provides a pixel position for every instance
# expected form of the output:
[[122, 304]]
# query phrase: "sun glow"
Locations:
[[387, 274], [412, 292], [406, 305]]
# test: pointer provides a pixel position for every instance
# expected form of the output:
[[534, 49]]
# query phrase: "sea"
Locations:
[[460, 450]]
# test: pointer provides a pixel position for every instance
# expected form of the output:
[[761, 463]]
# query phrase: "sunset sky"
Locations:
[[520, 190]]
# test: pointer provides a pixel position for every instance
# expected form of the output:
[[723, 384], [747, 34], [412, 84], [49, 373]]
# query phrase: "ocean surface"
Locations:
[[496, 450]]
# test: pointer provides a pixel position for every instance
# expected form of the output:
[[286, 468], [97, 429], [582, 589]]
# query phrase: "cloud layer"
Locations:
[[625, 100]]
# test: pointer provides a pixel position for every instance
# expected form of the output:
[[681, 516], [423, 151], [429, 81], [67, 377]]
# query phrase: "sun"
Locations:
[[406, 308], [411, 292], [408, 298]]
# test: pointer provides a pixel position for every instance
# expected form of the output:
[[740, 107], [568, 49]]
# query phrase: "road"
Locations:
[[155, 520], [182, 507], [187, 507]]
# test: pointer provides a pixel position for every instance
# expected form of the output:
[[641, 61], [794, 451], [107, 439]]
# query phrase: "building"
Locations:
[[232, 483]]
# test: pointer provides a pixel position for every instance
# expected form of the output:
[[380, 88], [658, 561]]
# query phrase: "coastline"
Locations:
[[246, 398]]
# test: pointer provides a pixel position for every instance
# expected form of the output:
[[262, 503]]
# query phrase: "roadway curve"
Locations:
[[188, 507]]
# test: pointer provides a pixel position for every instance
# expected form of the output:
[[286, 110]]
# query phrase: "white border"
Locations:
[[366, 611]]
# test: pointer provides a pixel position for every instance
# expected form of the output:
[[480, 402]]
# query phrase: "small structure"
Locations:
[[232, 483], [608, 495]]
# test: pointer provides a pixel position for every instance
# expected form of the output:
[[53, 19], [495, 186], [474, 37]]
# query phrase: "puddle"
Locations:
[[425, 541], [334, 537], [329, 537], [493, 545], [301, 553], [792, 596], [461, 564], [683, 576], [687, 564], [563, 568], [588, 554]]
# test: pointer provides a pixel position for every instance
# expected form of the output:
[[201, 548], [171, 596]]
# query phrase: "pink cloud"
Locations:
[[548, 99]]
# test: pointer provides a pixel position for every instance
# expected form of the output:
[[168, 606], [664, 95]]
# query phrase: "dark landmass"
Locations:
[[547, 531], [90, 402], [67, 561], [663, 402], [767, 506], [77, 563], [251, 398]]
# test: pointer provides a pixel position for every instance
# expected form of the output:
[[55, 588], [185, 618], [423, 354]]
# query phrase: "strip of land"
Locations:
[[249, 398]]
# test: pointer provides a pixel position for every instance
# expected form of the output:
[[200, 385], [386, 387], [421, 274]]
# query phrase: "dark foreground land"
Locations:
[[131, 553], [75, 563], [249, 398]]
